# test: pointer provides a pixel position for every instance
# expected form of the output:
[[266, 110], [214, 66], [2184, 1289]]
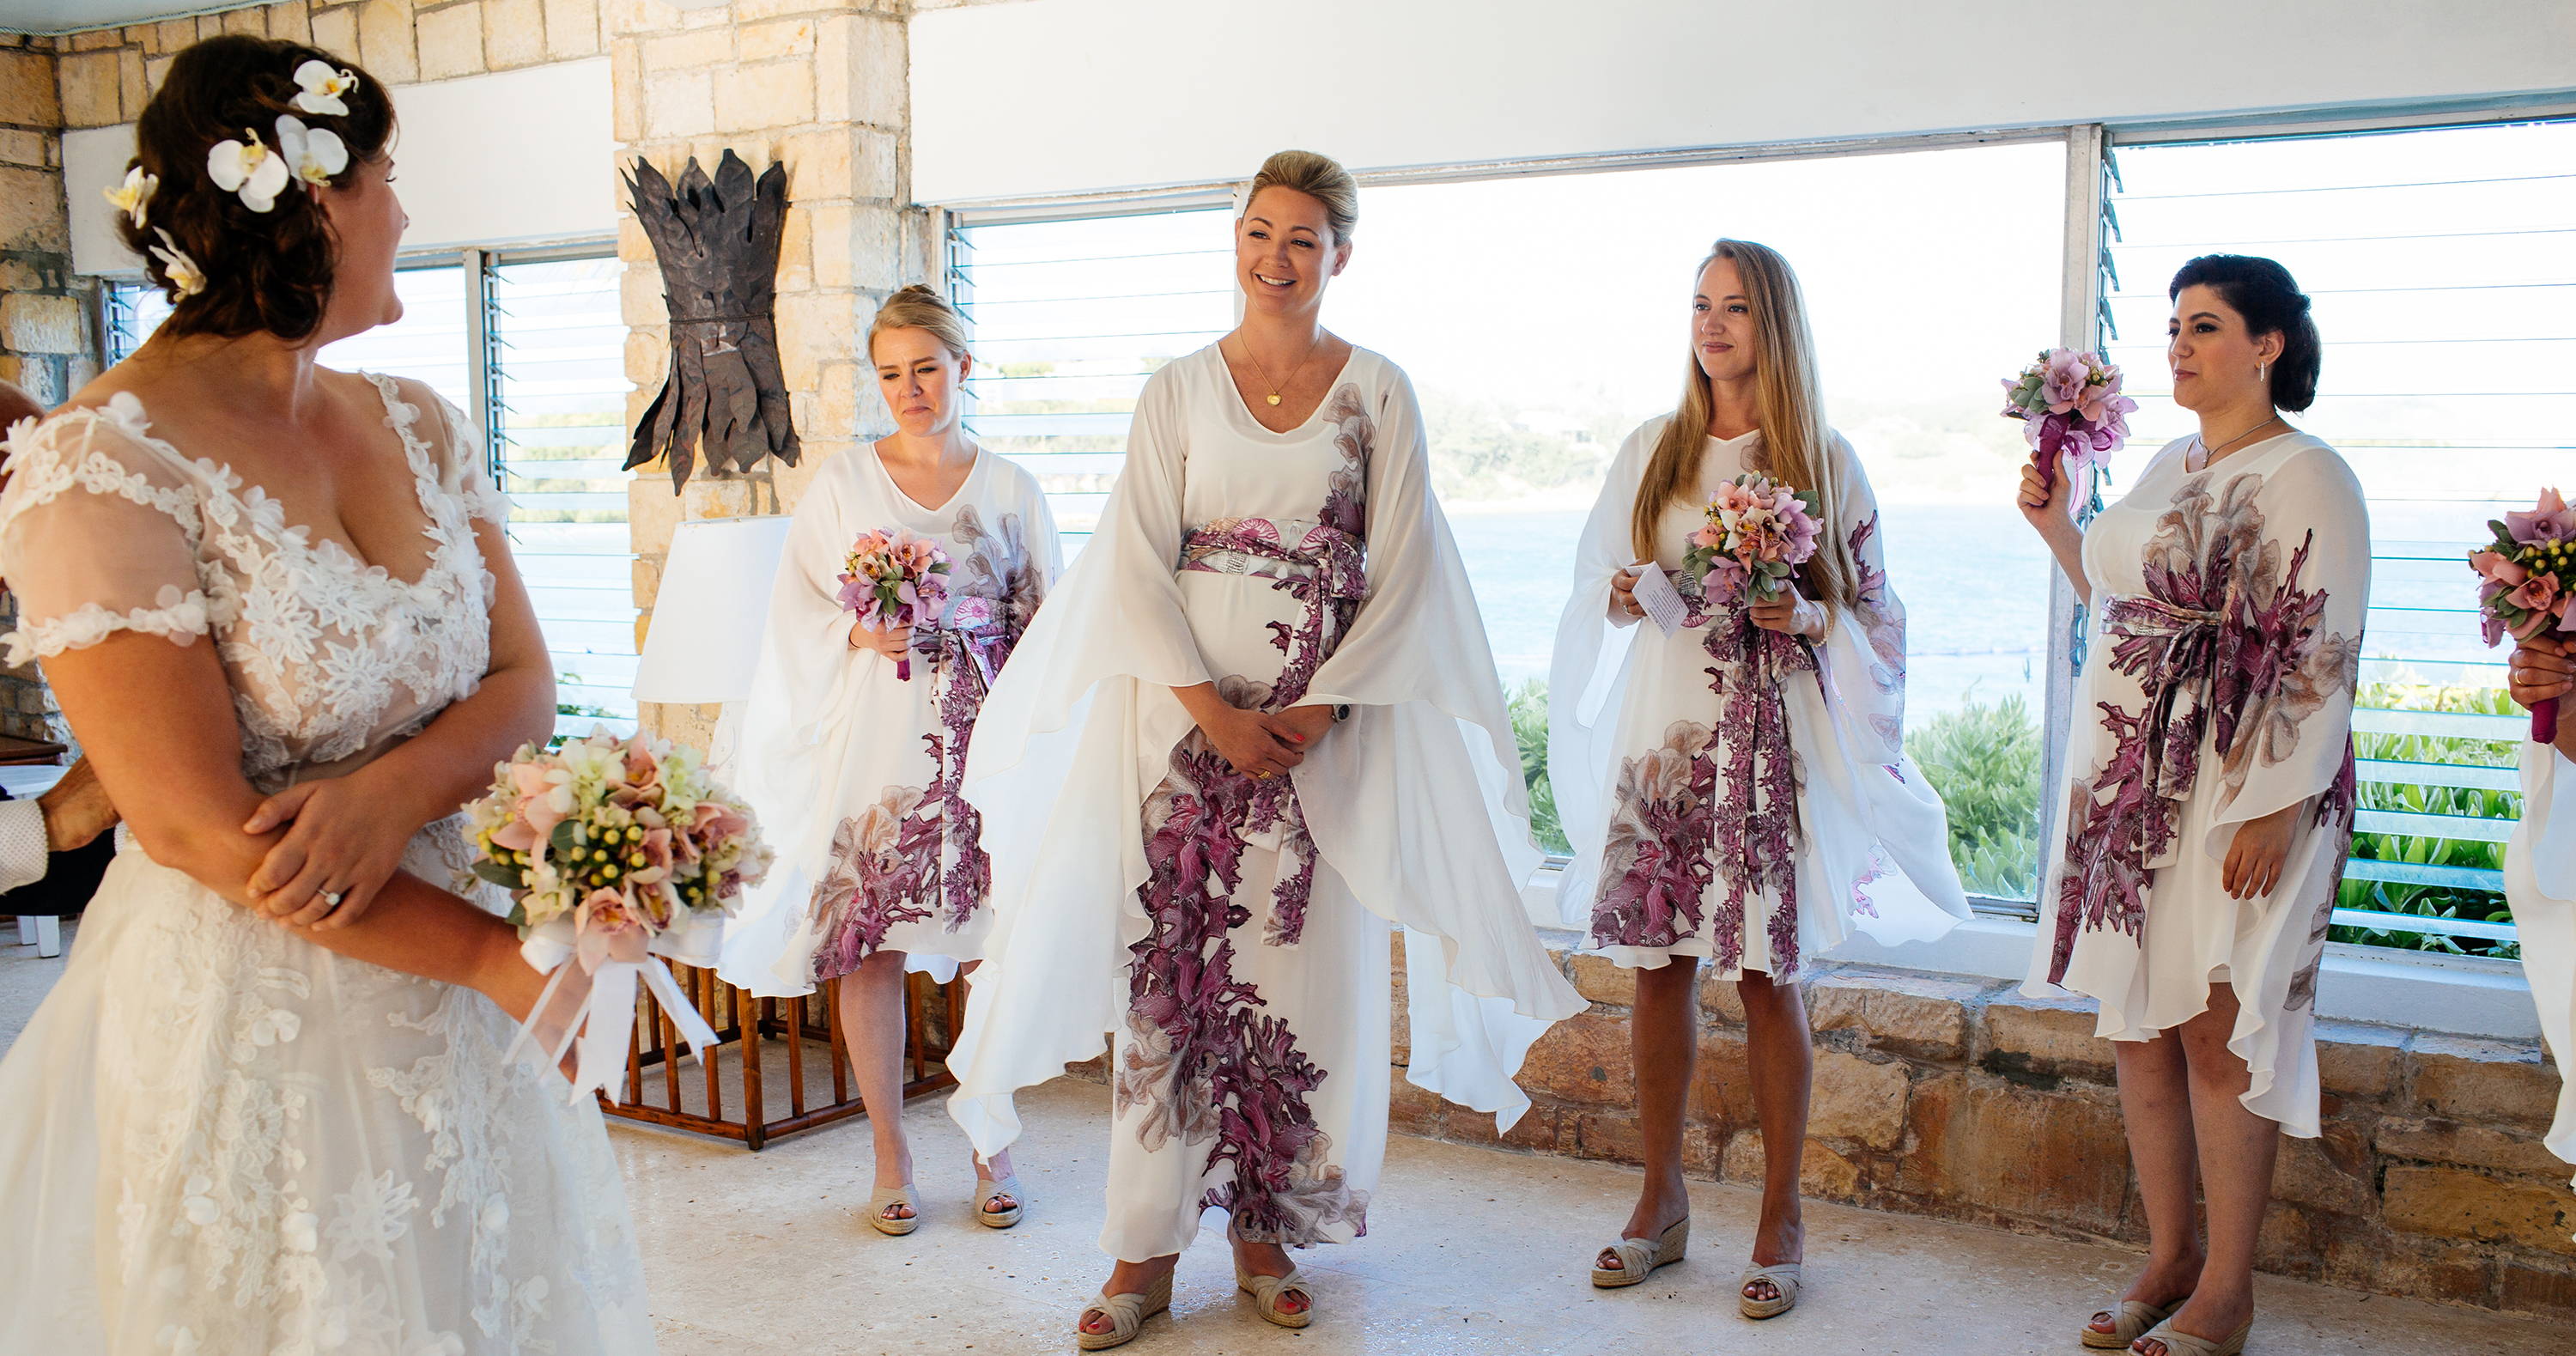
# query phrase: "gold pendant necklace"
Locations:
[[1250, 357]]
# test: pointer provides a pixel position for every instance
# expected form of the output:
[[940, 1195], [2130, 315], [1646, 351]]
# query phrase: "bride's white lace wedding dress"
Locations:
[[214, 1136]]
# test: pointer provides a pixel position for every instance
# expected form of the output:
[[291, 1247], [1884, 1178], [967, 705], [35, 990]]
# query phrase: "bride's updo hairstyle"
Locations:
[[262, 271], [1318, 176]]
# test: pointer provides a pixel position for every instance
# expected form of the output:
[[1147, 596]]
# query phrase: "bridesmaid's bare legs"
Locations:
[[1663, 1045], [998, 1166], [872, 1025], [1784, 1067], [2237, 1151], [2155, 1105]]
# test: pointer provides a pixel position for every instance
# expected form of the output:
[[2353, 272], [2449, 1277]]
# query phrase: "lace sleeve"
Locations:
[[99, 533], [459, 454]]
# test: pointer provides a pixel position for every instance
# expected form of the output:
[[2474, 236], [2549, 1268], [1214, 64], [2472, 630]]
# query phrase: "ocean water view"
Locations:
[[1974, 580]]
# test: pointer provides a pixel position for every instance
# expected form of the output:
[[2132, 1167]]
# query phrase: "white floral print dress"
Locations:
[[216, 1137], [2221, 656]]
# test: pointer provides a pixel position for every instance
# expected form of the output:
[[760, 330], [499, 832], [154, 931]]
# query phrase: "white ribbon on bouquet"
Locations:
[[604, 1025]]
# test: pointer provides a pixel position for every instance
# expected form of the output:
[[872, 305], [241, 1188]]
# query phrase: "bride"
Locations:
[[265, 1108]]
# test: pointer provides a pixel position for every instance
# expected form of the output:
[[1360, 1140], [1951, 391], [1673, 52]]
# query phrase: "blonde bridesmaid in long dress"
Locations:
[[855, 769], [2210, 788], [1256, 726]]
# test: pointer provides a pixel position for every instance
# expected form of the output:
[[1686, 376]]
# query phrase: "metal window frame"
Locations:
[[2088, 227]]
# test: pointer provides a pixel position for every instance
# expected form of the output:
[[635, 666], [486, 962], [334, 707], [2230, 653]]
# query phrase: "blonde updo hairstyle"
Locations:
[[1320, 177], [917, 307]]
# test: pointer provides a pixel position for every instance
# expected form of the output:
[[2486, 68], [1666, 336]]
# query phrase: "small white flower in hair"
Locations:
[[322, 88], [314, 154], [183, 271], [1242, 199], [248, 168], [130, 197]]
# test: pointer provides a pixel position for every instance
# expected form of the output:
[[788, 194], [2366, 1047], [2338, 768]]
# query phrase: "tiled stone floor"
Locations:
[[1471, 1251]]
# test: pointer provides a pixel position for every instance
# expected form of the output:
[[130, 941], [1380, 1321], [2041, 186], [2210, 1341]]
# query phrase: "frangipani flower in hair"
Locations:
[[183, 271], [322, 86], [248, 168], [130, 196], [313, 154]]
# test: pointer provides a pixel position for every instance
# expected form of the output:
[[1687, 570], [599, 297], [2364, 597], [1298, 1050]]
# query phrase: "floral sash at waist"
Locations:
[[1298, 550], [975, 634]]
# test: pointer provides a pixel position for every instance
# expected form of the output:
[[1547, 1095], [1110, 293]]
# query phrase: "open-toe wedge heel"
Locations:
[[1266, 1290], [1783, 1278], [1126, 1314], [2129, 1320], [888, 1198], [1638, 1257], [986, 1189], [2180, 1343]]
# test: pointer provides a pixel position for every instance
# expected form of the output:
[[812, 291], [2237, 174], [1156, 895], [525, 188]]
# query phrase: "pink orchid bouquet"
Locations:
[[2528, 585], [894, 578], [1757, 535], [2071, 410], [616, 853]]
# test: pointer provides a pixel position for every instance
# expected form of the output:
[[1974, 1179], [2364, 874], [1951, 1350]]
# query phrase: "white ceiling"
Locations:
[[73, 16]]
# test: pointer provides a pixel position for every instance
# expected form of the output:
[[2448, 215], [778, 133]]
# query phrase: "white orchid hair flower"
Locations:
[[130, 196], [312, 154], [248, 168], [183, 271], [322, 85]]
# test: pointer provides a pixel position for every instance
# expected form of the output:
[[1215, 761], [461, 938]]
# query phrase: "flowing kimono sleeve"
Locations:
[[2540, 884], [2295, 612], [1588, 677], [1069, 741], [806, 682], [1418, 800], [1865, 652]]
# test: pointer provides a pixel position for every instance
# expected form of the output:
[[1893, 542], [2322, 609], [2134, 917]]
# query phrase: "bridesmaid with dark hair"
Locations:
[[2211, 790]]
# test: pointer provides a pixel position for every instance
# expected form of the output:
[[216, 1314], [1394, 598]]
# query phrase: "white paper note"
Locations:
[[1655, 593]]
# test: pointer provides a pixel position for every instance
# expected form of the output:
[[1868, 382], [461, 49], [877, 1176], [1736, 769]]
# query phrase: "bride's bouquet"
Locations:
[[617, 853], [2528, 585], [2071, 410], [1757, 535], [894, 578]]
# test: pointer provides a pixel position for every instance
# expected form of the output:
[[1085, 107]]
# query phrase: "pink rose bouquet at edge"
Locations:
[[2071, 410], [1757, 535], [894, 578], [2528, 586], [616, 854]]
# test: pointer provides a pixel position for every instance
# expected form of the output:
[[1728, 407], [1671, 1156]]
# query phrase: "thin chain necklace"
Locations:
[[2209, 454], [1275, 387]]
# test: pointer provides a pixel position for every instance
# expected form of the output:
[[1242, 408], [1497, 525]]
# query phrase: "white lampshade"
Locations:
[[708, 616]]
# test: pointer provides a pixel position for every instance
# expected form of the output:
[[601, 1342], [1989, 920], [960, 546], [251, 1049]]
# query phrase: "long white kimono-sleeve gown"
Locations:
[[1229, 935], [856, 770]]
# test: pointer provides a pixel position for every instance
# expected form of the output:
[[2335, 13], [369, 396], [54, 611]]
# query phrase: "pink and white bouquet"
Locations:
[[1757, 535], [2528, 585], [2071, 410], [893, 579], [616, 853]]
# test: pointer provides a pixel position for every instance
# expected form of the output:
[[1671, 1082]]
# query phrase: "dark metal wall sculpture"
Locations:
[[717, 241]]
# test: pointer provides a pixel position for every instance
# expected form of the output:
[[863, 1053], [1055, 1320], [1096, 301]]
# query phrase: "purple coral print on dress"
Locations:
[[918, 851], [2224, 641], [1205, 1062], [1714, 805], [1882, 620]]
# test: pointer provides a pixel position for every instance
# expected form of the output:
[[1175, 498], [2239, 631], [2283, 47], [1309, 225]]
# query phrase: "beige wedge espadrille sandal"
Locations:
[[908, 1196], [1639, 1257], [1266, 1290], [2180, 1343], [986, 1189], [1783, 1278], [1126, 1314], [2129, 1318]]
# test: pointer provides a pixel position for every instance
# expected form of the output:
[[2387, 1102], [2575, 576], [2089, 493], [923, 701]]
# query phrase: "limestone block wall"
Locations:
[[45, 325], [819, 85], [1961, 1099]]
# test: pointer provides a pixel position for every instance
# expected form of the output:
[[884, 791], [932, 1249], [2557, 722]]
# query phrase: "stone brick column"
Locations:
[[45, 340], [819, 85]]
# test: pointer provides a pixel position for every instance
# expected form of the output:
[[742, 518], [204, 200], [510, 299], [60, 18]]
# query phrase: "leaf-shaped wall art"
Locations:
[[725, 397]]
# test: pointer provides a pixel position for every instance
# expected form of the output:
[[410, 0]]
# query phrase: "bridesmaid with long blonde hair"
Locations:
[[1742, 793]]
